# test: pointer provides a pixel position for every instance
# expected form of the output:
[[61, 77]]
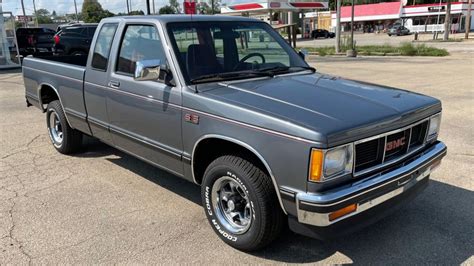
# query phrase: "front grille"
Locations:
[[389, 147]]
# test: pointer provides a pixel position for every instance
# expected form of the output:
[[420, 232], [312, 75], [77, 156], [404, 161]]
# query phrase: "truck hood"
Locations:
[[339, 110]]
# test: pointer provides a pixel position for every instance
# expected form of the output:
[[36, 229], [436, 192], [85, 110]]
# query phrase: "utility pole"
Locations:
[[435, 33], [36, 14], [153, 3], [212, 7], [352, 27], [338, 26], [447, 21], [75, 7], [128, 8], [25, 20], [468, 20], [148, 7]]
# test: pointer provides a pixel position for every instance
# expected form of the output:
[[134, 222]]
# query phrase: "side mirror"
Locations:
[[147, 70], [153, 70], [303, 53]]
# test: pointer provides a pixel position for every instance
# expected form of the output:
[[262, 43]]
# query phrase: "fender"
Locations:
[[40, 86], [248, 147]]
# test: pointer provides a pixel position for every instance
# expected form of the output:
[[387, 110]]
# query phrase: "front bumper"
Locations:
[[315, 209]]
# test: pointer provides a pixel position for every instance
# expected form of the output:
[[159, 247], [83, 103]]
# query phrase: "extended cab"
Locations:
[[226, 103]]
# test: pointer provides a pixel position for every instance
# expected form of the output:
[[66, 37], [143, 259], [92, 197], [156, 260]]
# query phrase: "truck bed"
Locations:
[[78, 60], [63, 74]]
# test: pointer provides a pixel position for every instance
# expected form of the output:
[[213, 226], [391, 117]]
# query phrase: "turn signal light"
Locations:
[[316, 165], [342, 212]]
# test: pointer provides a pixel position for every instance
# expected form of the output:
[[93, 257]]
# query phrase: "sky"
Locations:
[[67, 6]]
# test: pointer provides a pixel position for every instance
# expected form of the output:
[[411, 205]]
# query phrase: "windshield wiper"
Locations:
[[230, 76], [280, 69]]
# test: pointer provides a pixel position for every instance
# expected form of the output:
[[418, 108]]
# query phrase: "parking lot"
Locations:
[[455, 45], [103, 206]]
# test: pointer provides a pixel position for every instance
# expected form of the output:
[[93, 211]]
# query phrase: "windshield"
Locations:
[[230, 50]]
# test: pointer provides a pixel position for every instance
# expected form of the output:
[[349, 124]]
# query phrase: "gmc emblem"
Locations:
[[395, 144]]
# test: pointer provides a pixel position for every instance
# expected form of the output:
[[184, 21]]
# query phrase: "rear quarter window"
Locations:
[[100, 58]]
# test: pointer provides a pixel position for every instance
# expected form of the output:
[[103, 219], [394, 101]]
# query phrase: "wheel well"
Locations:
[[48, 94], [210, 149]]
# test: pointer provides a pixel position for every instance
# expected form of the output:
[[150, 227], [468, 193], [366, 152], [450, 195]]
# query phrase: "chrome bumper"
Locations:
[[314, 209]]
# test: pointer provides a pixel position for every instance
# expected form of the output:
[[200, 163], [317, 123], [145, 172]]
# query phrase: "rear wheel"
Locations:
[[65, 139], [240, 203]]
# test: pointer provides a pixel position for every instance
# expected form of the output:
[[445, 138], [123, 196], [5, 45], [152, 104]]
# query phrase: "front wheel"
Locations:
[[240, 203], [65, 139]]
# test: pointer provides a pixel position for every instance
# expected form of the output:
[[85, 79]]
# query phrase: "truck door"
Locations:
[[95, 83], [145, 116]]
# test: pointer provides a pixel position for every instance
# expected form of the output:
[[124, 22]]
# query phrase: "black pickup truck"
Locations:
[[34, 40], [74, 39]]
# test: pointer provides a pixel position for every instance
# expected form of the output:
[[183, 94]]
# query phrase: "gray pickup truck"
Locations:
[[226, 103]]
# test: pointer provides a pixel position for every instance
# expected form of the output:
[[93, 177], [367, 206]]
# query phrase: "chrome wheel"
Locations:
[[55, 129], [232, 205]]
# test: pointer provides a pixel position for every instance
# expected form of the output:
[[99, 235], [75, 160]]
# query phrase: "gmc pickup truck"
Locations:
[[226, 103]]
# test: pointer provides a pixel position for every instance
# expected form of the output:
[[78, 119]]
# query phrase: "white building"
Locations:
[[417, 18]]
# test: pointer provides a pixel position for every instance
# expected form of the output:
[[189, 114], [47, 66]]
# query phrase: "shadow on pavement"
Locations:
[[436, 228], [177, 185], [12, 70]]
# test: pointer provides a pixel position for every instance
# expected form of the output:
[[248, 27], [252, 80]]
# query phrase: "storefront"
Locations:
[[417, 18], [370, 17], [316, 20]]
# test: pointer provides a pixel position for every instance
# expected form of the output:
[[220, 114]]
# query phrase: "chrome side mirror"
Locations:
[[147, 70]]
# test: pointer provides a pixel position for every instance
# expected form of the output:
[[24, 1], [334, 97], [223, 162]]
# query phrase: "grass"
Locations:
[[405, 49]]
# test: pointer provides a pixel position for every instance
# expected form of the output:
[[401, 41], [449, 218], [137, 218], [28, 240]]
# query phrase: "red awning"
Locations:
[[380, 9]]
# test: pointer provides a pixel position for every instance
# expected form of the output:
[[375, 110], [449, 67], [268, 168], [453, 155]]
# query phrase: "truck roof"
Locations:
[[183, 18]]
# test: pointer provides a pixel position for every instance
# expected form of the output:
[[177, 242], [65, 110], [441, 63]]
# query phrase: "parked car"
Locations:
[[398, 30], [34, 40], [322, 33], [265, 136], [74, 40]]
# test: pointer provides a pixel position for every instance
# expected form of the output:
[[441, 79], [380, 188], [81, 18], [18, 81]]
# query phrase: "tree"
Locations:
[[93, 12], [205, 8], [54, 13], [166, 10], [176, 6], [216, 6], [43, 16], [136, 12], [72, 17], [447, 21]]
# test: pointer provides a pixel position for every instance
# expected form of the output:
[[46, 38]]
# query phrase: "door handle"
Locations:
[[114, 84]]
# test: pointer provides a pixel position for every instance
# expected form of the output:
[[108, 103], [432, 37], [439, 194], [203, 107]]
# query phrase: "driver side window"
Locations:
[[140, 42]]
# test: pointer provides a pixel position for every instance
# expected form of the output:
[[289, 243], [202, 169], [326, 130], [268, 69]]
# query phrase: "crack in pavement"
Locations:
[[14, 152], [13, 225], [463, 154]]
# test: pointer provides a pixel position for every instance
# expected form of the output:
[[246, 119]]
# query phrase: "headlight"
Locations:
[[433, 129], [331, 163]]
